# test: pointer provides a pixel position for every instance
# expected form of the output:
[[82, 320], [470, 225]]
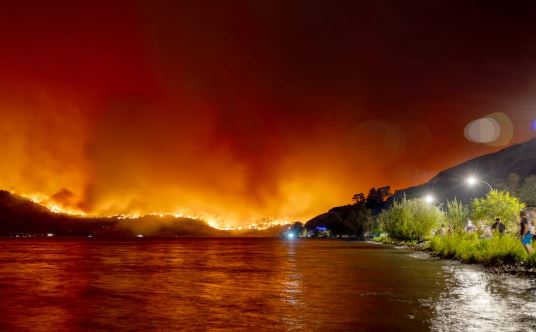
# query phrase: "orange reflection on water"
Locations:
[[213, 284], [71, 285]]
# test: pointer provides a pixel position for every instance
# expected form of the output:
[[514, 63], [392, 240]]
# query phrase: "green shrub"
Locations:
[[410, 220], [497, 204]]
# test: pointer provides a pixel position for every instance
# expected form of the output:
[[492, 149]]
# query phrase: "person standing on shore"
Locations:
[[532, 227], [498, 226], [526, 237]]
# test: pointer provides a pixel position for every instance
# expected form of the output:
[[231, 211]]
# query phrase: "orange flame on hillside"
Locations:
[[45, 201], [214, 222]]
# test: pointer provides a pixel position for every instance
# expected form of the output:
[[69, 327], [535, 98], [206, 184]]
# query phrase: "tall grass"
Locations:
[[410, 220], [469, 248], [456, 214]]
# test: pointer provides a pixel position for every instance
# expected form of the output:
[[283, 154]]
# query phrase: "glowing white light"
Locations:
[[471, 180], [290, 235], [429, 199]]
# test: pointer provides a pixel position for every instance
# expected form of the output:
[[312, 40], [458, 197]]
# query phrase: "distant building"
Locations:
[[319, 232]]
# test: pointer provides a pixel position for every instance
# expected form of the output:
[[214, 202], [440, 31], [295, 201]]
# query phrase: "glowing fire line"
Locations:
[[214, 222]]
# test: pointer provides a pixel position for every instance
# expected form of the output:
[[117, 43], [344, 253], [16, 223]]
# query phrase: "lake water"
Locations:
[[249, 284]]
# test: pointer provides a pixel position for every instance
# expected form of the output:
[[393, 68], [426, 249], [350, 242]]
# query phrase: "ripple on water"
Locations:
[[249, 285], [475, 300]]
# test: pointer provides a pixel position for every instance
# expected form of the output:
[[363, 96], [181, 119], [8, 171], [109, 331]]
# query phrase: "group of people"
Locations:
[[527, 230]]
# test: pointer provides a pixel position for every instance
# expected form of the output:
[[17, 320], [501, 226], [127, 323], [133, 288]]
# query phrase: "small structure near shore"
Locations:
[[319, 232]]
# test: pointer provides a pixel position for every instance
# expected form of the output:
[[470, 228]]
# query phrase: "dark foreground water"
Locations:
[[250, 285]]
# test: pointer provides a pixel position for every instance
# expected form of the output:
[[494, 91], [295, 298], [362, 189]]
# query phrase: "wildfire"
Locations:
[[212, 221], [44, 201], [259, 225]]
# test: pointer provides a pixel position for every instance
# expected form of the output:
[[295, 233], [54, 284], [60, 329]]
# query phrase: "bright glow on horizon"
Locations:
[[290, 235], [44, 201], [216, 222]]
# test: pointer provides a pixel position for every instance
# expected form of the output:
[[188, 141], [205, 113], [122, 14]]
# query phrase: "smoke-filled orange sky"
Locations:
[[251, 109]]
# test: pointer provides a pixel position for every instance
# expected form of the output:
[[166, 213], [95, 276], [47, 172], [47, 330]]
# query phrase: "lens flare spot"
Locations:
[[495, 129], [484, 130]]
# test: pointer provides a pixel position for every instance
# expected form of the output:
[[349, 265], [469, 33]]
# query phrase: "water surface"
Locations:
[[249, 284]]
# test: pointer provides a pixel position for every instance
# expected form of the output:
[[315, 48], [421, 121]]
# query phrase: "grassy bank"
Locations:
[[469, 248], [497, 251]]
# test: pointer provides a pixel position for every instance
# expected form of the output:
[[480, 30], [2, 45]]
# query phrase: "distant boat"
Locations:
[[90, 235], [50, 234], [139, 235]]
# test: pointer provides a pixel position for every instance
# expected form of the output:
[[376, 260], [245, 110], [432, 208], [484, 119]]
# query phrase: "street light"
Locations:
[[471, 181], [429, 199]]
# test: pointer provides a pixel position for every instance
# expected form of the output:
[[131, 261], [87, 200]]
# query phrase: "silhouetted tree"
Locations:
[[377, 197], [524, 189], [527, 191], [511, 184], [359, 199]]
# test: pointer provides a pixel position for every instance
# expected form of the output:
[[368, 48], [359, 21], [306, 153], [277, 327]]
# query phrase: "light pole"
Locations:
[[473, 180]]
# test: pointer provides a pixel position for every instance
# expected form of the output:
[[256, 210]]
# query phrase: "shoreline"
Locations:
[[519, 269]]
